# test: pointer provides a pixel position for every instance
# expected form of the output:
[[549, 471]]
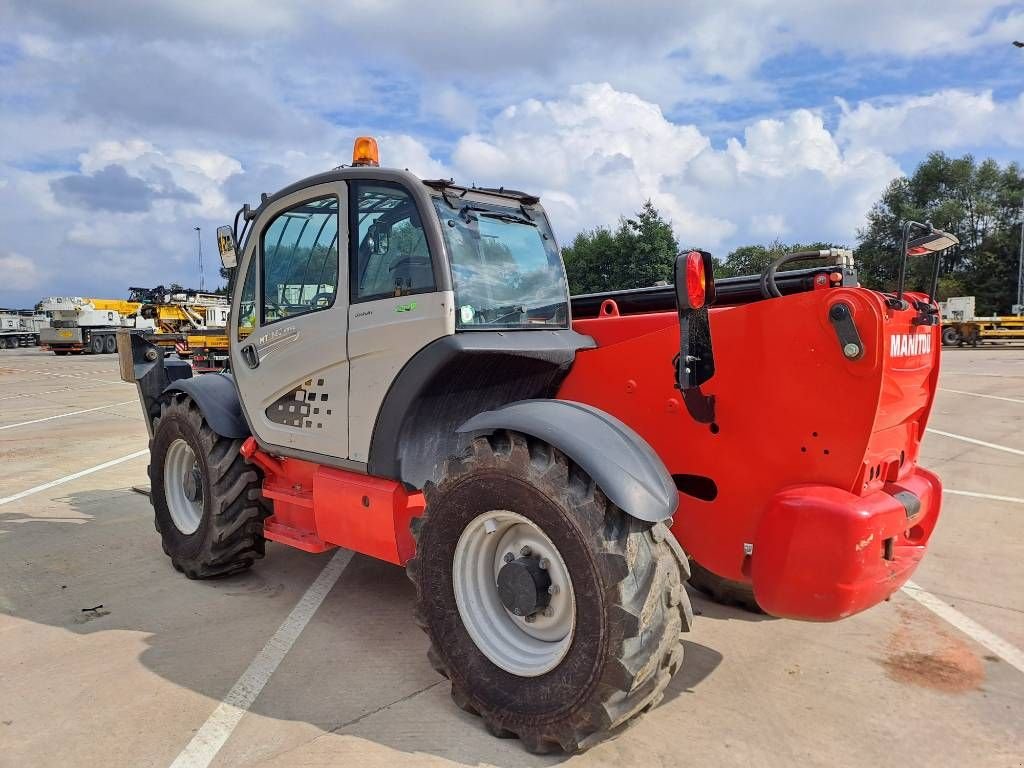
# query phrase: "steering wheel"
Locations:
[[418, 261], [328, 296]]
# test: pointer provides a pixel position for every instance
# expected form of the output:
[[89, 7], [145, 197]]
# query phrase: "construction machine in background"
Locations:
[[86, 325], [960, 326], [178, 319], [21, 327], [411, 380], [188, 322]]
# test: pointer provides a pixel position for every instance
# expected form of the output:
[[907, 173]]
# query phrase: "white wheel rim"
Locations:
[[183, 487], [524, 648]]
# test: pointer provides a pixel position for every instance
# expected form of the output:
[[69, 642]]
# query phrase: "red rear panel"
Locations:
[[790, 410]]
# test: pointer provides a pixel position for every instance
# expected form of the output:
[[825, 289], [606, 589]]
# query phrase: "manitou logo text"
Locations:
[[910, 344]]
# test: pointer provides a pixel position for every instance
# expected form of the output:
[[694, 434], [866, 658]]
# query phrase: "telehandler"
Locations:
[[410, 380]]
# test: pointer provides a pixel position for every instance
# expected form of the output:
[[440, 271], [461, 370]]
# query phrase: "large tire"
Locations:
[[96, 345], [228, 532], [627, 577], [10, 342], [722, 590], [110, 344], [950, 336]]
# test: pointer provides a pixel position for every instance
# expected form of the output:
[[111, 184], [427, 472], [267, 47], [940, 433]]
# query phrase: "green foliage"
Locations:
[[754, 259], [640, 252], [978, 202]]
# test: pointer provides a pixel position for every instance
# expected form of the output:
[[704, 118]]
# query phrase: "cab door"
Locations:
[[289, 318], [398, 305]]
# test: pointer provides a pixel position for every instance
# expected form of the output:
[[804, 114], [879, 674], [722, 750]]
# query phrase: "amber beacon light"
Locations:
[[365, 152]]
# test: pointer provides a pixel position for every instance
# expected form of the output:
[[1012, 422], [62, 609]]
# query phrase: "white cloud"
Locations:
[[20, 273], [599, 153], [944, 120]]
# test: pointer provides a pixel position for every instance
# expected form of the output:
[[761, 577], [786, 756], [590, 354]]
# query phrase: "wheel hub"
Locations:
[[514, 593], [183, 486], [193, 484], [523, 586]]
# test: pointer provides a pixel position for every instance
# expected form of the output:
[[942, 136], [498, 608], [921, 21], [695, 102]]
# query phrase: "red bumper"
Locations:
[[821, 553]]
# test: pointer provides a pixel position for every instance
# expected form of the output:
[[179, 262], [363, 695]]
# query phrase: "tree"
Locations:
[[640, 252], [978, 202], [754, 259]]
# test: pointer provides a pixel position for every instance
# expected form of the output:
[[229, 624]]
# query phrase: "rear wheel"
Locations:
[[96, 345], [556, 616], [950, 336], [110, 344], [723, 590], [10, 342], [207, 499]]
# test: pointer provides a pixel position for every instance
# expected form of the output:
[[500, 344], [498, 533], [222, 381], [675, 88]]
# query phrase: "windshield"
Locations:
[[506, 268]]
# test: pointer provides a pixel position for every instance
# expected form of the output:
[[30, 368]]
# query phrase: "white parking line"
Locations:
[[991, 375], [215, 732], [48, 392], [992, 497], [75, 476], [62, 375], [979, 394], [974, 441], [1008, 653], [62, 415]]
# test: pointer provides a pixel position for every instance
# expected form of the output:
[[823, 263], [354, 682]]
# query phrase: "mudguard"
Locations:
[[217, 398], [621, 462]]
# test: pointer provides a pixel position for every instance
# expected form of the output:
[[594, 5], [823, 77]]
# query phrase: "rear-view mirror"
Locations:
[[227, 247], [931, 242]]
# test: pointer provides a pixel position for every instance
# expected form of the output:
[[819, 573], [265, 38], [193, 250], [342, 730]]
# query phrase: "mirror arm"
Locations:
[[904, 237]]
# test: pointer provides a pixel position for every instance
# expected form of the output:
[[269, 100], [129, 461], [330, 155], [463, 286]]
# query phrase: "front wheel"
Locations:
[[950, 336], [556, 616], [206, 498]]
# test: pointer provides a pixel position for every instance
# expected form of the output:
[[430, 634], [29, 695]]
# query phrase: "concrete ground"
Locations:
[[109, 657]]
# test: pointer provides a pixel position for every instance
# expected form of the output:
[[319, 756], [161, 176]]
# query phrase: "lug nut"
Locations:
[[544, 563], [851, 350], [509, 557], [553, 589], [525, 551]]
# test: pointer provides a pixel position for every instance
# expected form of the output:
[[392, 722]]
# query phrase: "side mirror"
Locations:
[[227, 247], [931, 242]]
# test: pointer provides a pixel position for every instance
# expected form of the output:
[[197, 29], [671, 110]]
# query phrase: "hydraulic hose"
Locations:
[[769, 288]]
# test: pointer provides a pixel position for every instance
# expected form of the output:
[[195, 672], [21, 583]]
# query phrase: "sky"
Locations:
[[124, 125]]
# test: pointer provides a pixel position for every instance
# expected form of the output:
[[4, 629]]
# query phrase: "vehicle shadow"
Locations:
[[705, 608], [358, 672]]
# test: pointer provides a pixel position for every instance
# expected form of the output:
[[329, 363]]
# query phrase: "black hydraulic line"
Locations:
[[731, 291], [768, 284]]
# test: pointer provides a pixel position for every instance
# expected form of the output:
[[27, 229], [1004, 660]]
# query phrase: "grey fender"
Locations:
[[217, 398], [621, 462]]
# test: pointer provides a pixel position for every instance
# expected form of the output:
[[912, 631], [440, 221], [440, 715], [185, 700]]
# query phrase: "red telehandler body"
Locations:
[[410, 380]]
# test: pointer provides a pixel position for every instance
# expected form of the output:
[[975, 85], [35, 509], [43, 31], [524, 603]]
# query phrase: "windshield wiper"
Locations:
[[466, 213], [507, 311], [510, 218]]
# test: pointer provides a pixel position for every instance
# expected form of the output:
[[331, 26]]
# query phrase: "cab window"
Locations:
[[300, 260], [247, 303], [389, 252]]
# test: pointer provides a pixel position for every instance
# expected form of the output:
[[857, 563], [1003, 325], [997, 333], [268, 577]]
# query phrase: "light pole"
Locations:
[[1019, 309], [202, 276]]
